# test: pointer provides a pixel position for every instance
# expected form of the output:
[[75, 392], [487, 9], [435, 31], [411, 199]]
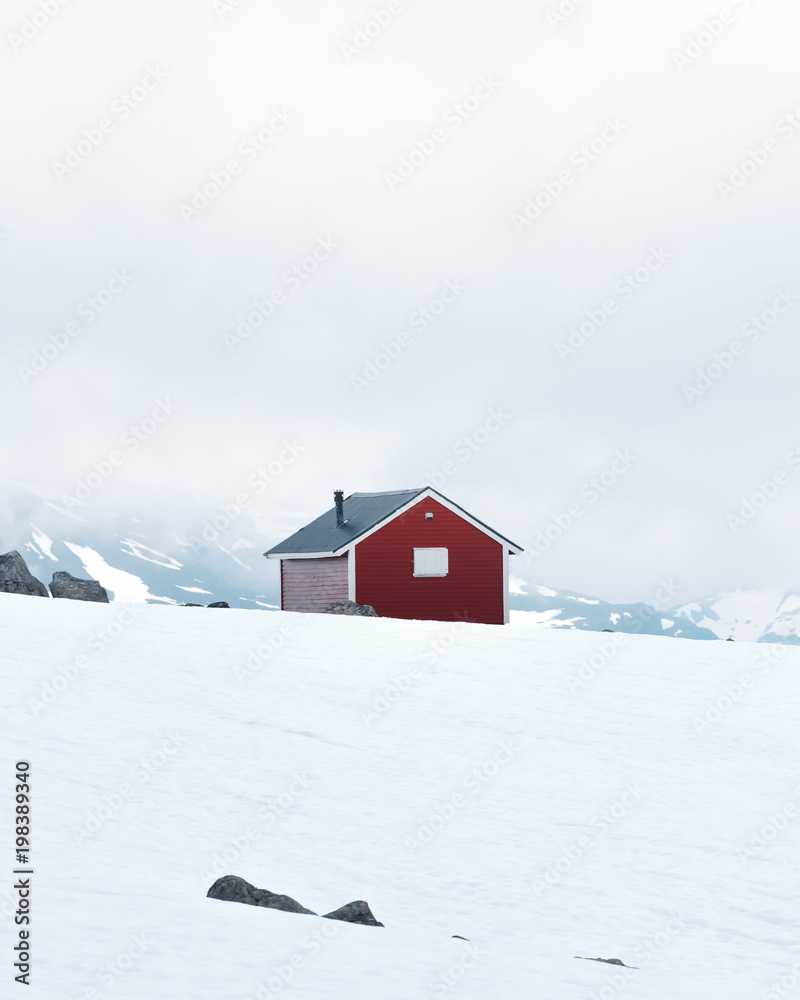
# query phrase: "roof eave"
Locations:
[[308, 555]]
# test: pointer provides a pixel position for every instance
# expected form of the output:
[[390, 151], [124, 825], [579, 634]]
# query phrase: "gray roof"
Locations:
[[362, 511]]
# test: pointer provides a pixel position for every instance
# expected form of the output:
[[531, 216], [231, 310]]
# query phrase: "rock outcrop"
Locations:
[[218, 604], [74, 589], [16, 578], [234, 889], [237, 890], [351, 608], [357, 912]]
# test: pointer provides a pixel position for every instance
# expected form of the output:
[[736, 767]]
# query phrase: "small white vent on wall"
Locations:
[[430, 562]]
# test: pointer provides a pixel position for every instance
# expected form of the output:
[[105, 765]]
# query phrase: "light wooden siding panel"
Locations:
[[313, 584]]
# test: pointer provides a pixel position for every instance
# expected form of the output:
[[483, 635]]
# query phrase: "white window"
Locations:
[[430, 562]]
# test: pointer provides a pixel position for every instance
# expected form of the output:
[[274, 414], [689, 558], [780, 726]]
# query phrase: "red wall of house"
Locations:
[[313, 584], [472, 590]]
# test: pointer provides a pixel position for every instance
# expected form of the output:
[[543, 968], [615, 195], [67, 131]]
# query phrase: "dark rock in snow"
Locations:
[[351, 608], [194, 605], [16, 578], [237, 890], [218, 604], [73, 589], [357, 912], [460, 937], [608, 961]]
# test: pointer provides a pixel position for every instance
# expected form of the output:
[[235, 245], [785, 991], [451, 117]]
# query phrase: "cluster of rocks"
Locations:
[[236, 890], [351, 608], [16, 578]]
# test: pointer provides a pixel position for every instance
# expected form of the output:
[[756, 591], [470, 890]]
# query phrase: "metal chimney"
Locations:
[[338, 499]]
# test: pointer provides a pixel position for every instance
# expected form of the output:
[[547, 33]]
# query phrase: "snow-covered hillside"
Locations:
[[546, 794]]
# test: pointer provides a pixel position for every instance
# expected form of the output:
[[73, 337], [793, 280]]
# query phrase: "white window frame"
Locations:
[[428, 564]]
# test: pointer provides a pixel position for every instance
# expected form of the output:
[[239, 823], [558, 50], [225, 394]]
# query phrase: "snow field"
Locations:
[[544, 793]]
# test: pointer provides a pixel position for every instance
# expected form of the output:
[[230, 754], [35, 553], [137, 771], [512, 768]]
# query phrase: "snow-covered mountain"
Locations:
[[742, 615], [754, 615], [506, 786], [537, 605], [183, 554]]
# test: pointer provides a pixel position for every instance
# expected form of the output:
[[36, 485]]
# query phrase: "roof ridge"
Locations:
[[390, 493]]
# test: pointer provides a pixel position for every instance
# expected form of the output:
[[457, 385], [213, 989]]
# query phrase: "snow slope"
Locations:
[[545, 794]]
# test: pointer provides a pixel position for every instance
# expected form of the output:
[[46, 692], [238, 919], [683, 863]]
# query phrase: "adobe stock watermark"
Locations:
[[757, 157], [605, 651], [599, 826], [468, 445], [710, 31], [121, 108], [114, 802], [222, 8], [419, 320], [294, 277], [257, 482], [562, 12], [108, 974], [87, 312], [97, 643], [365, 34], [268, 814], [766, 490], [454, 117], [473, 783], [129, 443], [735, 691], [591, 491], [248, 150], [624, 290], [579, 162], [766, 834], [261, 655], [446, 640], [35, 22], [445, 980], [784, 986], [752, 331], [643, 953], [283, 974], [613, 640]]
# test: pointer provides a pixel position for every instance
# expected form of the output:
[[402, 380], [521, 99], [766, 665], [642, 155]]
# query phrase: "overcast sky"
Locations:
[[477, 181]]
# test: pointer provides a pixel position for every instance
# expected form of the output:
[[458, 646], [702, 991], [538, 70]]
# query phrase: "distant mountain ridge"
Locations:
[[741, 615], [174, 557], [192, 554]]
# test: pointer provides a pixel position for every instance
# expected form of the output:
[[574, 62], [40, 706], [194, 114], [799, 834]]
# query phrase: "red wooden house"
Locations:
[[408, 553]]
